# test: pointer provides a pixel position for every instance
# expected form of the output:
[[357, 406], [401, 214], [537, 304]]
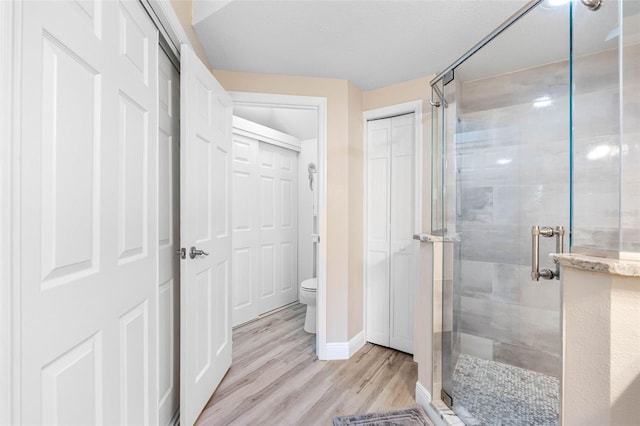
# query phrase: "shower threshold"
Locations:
[[492, 393]]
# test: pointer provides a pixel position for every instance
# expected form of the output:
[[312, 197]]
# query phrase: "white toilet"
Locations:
[[308, 297]]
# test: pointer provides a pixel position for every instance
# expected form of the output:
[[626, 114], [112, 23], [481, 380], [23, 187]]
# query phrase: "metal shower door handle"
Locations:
[[548, 232]]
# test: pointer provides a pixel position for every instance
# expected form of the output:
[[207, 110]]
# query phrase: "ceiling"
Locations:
[[301, 123], [371, 43]]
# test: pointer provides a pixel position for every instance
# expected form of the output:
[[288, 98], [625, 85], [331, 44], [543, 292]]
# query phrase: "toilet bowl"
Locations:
[[308, 297]]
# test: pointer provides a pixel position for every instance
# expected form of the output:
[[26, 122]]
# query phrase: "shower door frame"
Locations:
[[439, 103]]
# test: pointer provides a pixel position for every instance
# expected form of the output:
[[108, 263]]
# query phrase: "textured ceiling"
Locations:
[[370, 43]]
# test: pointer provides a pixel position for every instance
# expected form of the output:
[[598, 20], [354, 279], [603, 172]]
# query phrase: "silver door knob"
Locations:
[[196, 252]]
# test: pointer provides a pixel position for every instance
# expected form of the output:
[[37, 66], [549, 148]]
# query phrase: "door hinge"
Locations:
[[182, 253]]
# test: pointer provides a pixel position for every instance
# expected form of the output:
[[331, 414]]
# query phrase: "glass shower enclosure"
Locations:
[[524, 153]]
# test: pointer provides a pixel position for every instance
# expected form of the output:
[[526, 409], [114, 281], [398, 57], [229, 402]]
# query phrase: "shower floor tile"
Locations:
[[492, 393]]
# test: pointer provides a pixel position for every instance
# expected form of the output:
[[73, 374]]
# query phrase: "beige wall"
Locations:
[[183, 9]]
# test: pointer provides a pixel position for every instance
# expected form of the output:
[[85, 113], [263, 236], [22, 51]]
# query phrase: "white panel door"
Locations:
[[403, 247], [391, 251], [205, 298], [88, 228], [246, 236], [168, 239], [278, 196], [378, 230]]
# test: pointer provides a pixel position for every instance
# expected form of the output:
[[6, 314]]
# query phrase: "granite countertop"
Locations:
[[625, 268]]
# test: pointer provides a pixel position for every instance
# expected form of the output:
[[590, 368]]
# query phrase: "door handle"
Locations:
[[193, 252], [548, 232]]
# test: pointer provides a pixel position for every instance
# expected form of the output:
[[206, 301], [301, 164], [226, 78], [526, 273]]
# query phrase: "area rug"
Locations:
[[411, 416]]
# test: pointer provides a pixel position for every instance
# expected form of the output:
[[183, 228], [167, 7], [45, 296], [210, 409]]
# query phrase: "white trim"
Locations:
[[423, 398], [10, 114], [337, 351], [264, 134], [320, 105], [345, 350], [356, 343], [384, 112], [6, 168], [165, 19]]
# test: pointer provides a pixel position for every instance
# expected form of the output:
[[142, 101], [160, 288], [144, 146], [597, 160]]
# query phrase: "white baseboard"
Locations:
[[337, 350], [423, 397], [344, 350], [356, 343], [438, 412]]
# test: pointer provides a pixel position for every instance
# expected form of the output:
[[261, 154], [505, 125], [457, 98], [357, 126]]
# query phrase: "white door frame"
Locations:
[[320, 105], [385, 112], [9, 215]]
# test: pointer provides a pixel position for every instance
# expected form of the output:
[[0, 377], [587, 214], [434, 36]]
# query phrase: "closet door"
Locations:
[[391, 263], [278, 195], [88, 224], [378, 230], [402, 254], [246, 236]]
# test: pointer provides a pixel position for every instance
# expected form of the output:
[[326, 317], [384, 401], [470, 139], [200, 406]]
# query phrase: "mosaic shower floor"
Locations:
[[492, 393]]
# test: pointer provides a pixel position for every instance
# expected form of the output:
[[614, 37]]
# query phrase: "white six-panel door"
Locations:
[[246, 234], [265, 207], [205, 167], [391, 253], [168, 239], [88, 231], [278, 195]]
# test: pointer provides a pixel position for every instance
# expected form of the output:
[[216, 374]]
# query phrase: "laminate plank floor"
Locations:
[[276, 378]]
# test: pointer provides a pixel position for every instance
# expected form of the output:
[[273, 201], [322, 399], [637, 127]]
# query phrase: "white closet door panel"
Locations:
[[88, 194], [378, 215], [288, 226], [390, 222], [378, 297], [205, 297], [245, 217], [168, 239], [269, 213], [402, 274], [278, 227], [378, 204]]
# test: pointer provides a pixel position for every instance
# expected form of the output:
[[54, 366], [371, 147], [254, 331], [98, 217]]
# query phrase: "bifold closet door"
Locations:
[[378, 230], [391, 255], [264, 228], [403, 252]]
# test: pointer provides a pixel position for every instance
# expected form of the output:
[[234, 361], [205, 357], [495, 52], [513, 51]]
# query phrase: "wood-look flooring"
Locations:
[[276, 378]]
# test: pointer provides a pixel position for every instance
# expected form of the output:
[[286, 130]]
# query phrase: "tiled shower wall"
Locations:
[[607, 149], [512, 172]]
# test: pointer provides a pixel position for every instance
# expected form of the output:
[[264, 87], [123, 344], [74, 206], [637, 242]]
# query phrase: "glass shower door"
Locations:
[[504, 159]]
